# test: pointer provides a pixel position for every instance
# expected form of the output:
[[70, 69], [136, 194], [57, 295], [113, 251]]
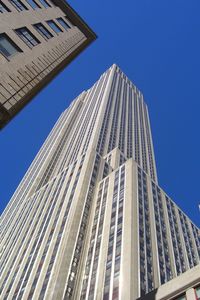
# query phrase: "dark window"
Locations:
[[183, 297], [69, 22], [7, 47], [43, 30], [45, 3], [63, 23], [18, 5], [27, 37], [54, 26], [3, 8], [33, 4]]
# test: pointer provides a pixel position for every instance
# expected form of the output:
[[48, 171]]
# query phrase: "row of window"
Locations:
[[8, 48], [112, 271], [123, 128], [188, 240], [20, 5], [145, 242], [21, 192], [106, 119], [50, 237], [19, 248], [136, 131], [66, 159], [22, 279], [77, 138], [130, 125], [149, 145], [61, 230], [19, 254], [51, 167], [162, 242], [58, 155], [92, 262], [115, 121], [87, 121], [25, 212], [32, 254], [196, 234], [82, 229], [142, 136], [102, 85], [175, 237]]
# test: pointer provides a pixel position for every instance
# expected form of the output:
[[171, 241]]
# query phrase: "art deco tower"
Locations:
[[88, 220]]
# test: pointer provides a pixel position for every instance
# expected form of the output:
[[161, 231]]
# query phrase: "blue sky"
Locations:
[[156, 43]]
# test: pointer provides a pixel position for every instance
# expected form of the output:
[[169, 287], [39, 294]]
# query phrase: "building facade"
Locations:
[[89, 220], [38, 38], [184, 287]]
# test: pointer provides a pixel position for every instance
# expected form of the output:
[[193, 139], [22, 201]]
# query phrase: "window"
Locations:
[[63, 23], [33, 4], [197, 290], [181, 298], [3, 8], [27, 37], [43, 31], [45, 3], [54, 26], [7, 47], [18, 5]]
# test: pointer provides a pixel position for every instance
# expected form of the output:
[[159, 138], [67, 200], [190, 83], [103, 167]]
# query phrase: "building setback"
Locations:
[[183, 287], [89, 220], [38, 38]]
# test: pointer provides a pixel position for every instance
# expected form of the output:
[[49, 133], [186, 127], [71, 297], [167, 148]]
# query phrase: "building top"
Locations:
[[76, 19]]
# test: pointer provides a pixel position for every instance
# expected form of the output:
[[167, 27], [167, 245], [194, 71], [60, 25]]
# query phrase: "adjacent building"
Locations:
[[89, 220], [38, 38]]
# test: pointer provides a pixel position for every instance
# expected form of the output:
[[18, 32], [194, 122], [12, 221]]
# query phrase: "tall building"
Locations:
[[89, 220], [38, 38]]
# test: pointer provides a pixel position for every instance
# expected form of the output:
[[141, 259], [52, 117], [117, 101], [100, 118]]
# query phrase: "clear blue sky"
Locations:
[[157, 44]]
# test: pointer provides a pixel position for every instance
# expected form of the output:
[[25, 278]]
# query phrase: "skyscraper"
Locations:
[[38, 38], [89, 220]]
